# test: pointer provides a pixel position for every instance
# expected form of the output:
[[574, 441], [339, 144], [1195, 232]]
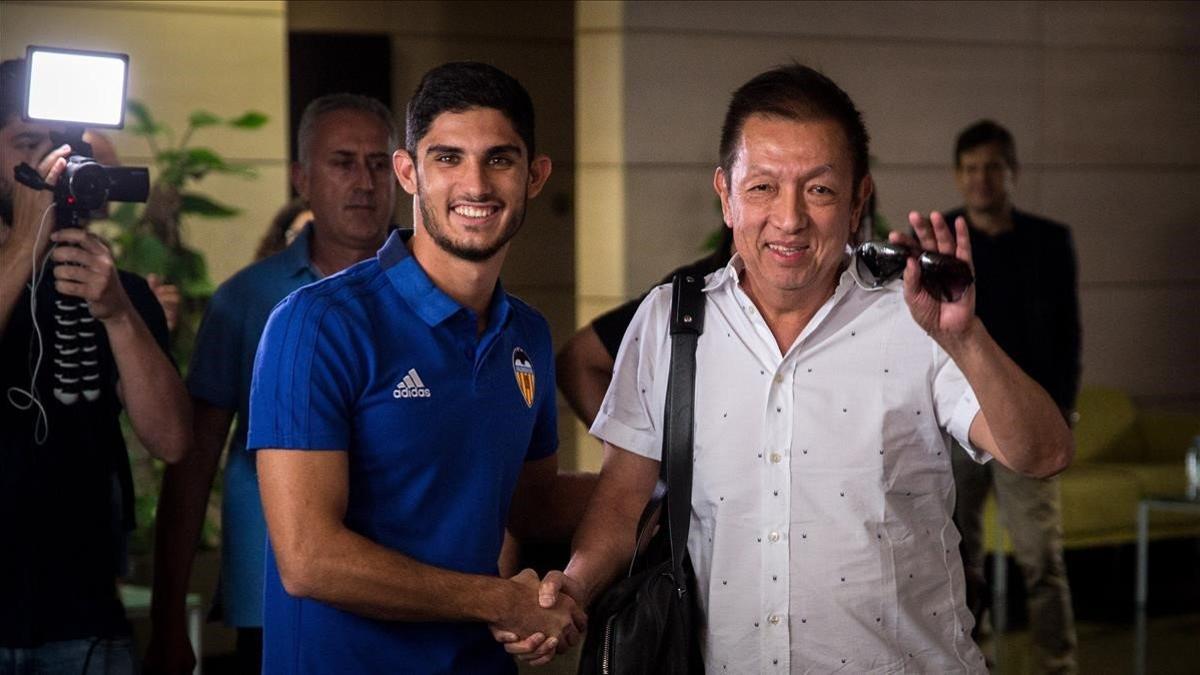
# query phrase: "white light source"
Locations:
[[77, 87]]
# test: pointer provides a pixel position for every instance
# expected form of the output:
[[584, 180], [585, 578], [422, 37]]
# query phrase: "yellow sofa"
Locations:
[[1122, 454]]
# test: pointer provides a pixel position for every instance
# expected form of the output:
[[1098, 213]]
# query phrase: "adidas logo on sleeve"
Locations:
[[411, 386]]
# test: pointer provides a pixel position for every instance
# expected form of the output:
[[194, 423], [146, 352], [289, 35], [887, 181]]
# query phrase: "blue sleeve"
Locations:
[[218, 352], [305, 384], [545, 431]]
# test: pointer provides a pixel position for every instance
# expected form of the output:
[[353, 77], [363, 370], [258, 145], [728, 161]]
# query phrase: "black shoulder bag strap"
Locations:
[[687, 322]]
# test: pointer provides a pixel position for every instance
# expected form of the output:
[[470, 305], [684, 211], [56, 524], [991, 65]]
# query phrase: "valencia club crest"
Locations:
[[523, 370]]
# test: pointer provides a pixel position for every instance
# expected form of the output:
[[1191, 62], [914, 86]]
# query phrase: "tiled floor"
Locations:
[[1173, 648], [1102, 588]]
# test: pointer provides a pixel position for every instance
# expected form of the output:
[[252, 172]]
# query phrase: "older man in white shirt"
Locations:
[[821, 530]]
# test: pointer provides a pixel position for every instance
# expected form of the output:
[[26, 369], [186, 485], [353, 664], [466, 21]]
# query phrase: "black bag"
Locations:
[[649, 622]]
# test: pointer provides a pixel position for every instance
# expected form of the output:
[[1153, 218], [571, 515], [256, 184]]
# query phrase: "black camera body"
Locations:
[[86, 185]]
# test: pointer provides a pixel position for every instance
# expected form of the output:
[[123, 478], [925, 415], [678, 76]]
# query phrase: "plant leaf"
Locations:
[[251, 119], [143, 254], [144, 124], [203, 118], [125, 214], [191, 202], [191, 273]]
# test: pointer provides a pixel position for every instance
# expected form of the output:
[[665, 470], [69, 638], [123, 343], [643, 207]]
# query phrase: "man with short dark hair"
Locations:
[[344, 176], [1027, 299], [403, 412], [822, 492], [66, 493]]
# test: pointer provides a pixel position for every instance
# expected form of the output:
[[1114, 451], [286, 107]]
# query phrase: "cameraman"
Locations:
[[61, 465]]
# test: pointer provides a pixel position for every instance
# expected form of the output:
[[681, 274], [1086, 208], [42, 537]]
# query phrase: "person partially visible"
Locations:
[[343, 174], [403, 412], [65, 487], [169, 296], [822, 495], [288, 223], [1028, 300], [585, 362]]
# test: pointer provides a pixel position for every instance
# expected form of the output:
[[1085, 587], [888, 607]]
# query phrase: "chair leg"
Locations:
[[999, 597]]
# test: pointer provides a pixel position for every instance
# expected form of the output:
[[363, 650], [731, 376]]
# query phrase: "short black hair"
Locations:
[[12, 90], [461, 85], [795, 92], [982, 133]]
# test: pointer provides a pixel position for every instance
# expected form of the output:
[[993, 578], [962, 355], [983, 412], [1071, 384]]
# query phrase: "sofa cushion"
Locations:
[[1167, 435], [1107, 429], [1099, 504]]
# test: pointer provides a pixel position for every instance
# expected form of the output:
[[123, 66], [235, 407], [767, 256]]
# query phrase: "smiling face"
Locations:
[[472, 178], [792, 204], [347, 182]]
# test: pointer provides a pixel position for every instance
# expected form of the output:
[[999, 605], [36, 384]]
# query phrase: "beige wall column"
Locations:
[[600, 236]]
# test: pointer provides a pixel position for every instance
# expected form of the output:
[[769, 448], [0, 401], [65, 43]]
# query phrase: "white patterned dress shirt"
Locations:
[[821, 530]]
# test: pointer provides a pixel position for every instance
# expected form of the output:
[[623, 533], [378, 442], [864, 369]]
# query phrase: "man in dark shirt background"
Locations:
[[66, 497], [1027, 298]]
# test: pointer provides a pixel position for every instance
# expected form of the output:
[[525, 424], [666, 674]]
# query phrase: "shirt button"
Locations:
[[774, 618], [778, 379], [776, 458], [774, 536]]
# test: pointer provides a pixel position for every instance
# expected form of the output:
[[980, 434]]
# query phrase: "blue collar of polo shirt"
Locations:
[[426, 299]]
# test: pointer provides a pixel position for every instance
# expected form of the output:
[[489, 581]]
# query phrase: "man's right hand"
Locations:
[[534, 632]]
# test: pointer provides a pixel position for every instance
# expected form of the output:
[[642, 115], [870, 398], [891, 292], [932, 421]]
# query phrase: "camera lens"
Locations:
[[88, 183]]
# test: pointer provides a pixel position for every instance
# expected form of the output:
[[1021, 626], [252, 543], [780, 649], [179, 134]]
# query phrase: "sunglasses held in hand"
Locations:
[[942, 276]]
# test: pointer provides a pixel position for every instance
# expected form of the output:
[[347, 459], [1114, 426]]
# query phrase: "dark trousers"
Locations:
[[248, 657]]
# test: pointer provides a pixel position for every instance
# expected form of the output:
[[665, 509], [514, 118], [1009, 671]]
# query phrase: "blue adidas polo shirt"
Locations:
[[438, 423]]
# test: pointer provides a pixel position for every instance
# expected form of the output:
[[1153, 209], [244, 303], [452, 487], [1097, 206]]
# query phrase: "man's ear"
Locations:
[[406, 171], [300, 180], [861, 200], [721, 187], [539, 173]]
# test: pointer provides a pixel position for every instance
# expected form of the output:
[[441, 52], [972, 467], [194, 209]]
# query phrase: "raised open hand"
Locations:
[[941, 319]]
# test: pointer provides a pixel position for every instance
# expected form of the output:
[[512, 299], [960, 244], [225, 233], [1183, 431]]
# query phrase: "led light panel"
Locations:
[[76, 87]]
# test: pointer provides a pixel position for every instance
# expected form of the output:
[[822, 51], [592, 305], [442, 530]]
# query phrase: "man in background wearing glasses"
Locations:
[[1027, 298]]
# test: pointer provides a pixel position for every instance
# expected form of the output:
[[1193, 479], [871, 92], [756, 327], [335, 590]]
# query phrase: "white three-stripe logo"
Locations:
[[411, 386]]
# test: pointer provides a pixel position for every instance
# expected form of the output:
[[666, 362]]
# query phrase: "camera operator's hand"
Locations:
[[29, 206], [23, 241], [91, 274]]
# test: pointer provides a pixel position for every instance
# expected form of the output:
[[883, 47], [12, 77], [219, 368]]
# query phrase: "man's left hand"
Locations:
[[92, 274], [941, 320]]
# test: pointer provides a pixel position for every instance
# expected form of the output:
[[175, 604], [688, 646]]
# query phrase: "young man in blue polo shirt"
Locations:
[[403, 412], [344, 175]]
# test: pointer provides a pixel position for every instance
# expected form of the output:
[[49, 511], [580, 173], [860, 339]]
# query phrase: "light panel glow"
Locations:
[[85, 88]]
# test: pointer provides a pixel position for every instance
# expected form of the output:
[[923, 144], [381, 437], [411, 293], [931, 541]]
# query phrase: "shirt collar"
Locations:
[[726, 279], [296, 256], [732, 272], [426, 299]]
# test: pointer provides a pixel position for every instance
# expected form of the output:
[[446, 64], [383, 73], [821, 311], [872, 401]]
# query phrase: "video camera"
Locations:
[[80, 89]]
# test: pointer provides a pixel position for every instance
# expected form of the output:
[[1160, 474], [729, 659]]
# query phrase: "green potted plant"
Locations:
[[147, 240]]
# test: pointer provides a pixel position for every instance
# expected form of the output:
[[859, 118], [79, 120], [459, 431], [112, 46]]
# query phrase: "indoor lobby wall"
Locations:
[[1103, 99], [223, 56]]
